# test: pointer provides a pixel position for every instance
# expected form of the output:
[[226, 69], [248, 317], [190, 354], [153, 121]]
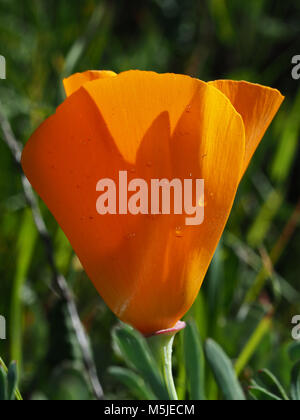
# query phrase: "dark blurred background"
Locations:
[[252, 289]]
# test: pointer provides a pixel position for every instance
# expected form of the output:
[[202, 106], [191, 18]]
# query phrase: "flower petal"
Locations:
[[257, 105], [64, 160], [148, 269], [208, 142], [77, 80], [131, 101]]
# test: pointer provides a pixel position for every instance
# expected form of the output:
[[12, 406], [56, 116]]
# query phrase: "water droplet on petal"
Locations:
[[130, 236], [179, 232]]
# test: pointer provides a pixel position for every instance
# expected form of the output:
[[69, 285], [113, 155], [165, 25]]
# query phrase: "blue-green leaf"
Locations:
[[136, 352], [12, 379], [223, 371], [262, 394], [295, 386], [133, 382], [194, 362], [270, 380], [3, 385]]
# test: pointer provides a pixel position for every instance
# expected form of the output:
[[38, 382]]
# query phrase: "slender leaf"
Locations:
[[216, 279], [270, 380], [262, 328], [264, 219], [80, 45], [133, 382], [294, 351], [295, 386], [63, 251], [3, 385], [12, 379], [26, 242], [135, 350], [259, 393], [194, 362], [5, 370], [223, 372], [181, 385], [287, 146]]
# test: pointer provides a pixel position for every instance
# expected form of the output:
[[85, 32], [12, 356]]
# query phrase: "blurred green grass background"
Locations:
[[256, 270]]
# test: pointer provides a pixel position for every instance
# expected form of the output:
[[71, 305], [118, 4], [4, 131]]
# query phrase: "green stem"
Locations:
[[252, 344], [161, 345]]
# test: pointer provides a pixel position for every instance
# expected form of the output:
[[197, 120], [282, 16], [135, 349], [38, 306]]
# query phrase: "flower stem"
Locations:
[[161, 345]]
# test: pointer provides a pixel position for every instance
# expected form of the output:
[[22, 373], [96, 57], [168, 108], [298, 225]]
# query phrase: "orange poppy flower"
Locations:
[[148, 268]]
